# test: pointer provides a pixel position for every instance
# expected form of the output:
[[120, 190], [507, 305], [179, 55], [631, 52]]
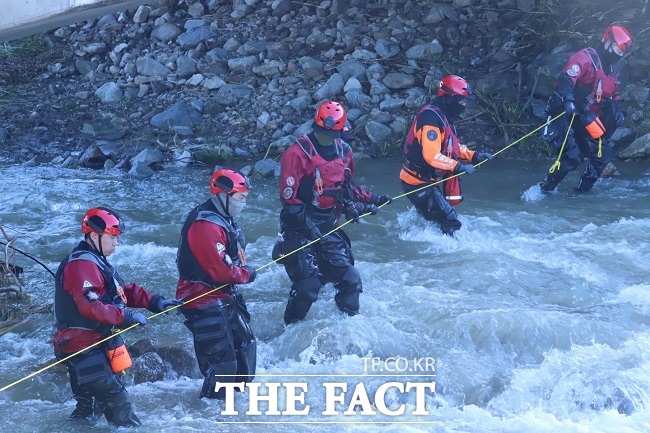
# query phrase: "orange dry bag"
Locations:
[[118, 355], [594, 125]]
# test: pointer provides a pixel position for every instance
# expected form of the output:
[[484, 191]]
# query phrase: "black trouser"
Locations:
[[224, 343], [329, 260], [578, 145], [97, 389], [433, 206]]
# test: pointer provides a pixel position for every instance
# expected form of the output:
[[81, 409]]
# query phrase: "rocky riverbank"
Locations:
[[203, 81]]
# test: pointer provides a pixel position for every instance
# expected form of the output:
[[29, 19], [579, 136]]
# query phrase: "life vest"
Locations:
[[604, 85], [188, 267], [323, 183], [415, 163], [65, 309]]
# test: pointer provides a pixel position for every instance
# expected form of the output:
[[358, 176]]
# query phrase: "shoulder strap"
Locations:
[[85, 255], [591, 53], [306, 146]]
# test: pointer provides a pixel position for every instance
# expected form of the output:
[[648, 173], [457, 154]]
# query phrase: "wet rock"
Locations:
[[182, 360], [140, 347], [141, 171], [622, 137], [639, 149], [148, 157], [610, 170], [93, 157], [148, 368]]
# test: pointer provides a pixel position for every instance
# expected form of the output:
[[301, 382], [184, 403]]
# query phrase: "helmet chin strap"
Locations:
[[99, 249]]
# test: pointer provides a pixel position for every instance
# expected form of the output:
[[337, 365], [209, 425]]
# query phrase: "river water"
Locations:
[[535, 319]]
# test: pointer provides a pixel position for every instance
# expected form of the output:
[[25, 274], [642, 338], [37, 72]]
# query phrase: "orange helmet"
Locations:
[[453, 85], [228, 181], [330, 116], [617, 39], [102, 221]]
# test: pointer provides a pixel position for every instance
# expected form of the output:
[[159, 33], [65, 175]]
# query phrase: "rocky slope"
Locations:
[[207, 80]]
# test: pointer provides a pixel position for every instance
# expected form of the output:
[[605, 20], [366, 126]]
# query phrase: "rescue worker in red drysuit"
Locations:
[[316, 186], [432, 152], [210, 255], [90, 301], [587, 87]]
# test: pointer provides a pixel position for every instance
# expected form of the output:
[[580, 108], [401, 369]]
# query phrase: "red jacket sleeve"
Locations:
[[293, 168], [137, 296], [84, 281], [208, 244]]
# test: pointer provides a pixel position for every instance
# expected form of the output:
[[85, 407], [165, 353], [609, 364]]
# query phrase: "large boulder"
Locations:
[[639, 149]]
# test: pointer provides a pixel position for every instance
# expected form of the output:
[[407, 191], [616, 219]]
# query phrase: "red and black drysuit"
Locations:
[[316, 185], [210, 255], [431, 153], [589, 81], [87, 307]]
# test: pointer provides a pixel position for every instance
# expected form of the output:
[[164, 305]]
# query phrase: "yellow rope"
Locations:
[[556, 164], [121, 331], [600, 147]]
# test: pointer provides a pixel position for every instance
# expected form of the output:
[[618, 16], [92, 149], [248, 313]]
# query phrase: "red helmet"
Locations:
[[228, 181], [618, 38], [102, 221], [453, 85], [331, 116]]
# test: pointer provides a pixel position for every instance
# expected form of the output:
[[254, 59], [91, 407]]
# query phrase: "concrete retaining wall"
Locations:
[[20, 18]]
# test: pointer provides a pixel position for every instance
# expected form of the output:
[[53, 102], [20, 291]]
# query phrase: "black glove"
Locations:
[[620, 118], [570, 107], [311, 230], [379, 200], [131, 318], [351, 212], [467, 168], [481, 156], [251, 271], [365, 208], [159, 304]]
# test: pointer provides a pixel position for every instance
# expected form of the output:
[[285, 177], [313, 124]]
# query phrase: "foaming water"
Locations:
[[536, 314]]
